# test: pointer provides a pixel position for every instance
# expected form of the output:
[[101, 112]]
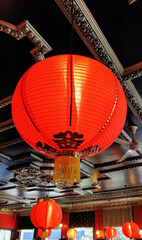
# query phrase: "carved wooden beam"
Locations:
[[23, 156], [87, 163], [4, 156], [89, 31], [6, 125], [25, 29], [11, 142], [3, 183], [101, 204], [132, 72], [115, 194], [5, 101], [113, 163], [121, 168], [131, 1], [117, 198], [6, 196], [18, 207], [88, 175]]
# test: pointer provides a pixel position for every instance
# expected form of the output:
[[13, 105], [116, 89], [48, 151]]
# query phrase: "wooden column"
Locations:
[[137, 215]]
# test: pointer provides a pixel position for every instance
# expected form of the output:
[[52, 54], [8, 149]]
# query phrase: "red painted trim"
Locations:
[[7, 221]]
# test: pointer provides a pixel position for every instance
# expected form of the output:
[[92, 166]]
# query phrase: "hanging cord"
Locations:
[[71, 74], [72, 12]]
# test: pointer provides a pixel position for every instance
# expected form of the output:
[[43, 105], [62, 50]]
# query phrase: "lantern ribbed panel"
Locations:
[[42, 99], [131, 230], [111, 233], [46, 215]]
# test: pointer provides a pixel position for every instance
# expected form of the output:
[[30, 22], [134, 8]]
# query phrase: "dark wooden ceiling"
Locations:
[[23, 171]]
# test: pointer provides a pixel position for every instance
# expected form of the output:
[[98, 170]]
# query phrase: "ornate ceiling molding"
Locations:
[[101, 200], [98, 200], [90, 33], [30, 175], [26, 29], [132, 72], [131, 1], [3, 183], [4, 156], [8, 197], [6, 125], [5, 101], [107, 195], [24, 156], [11, 142], [125, 136], [122, 168], [92, 206], [113, 163]]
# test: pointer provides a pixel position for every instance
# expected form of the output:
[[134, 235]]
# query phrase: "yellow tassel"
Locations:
[[66, 170], [95, 175], [44, 234]]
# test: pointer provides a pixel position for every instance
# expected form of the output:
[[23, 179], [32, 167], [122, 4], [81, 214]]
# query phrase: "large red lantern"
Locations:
[[111, 233], [46, 215], [72, 233], [69, 107], [131, 230]]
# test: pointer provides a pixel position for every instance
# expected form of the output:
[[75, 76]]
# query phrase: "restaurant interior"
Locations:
[[71, 130]]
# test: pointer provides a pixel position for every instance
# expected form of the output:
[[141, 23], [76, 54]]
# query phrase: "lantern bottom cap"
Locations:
[[66, 170]]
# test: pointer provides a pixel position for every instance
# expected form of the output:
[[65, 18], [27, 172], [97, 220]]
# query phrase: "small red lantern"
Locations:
[[111, 233], [131, 230], [72, 233], [46, 215], [69, 107], [44, 233]]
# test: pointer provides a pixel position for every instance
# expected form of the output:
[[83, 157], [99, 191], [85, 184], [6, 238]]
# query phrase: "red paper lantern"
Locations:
[[44, 233], [70, 106], [131, 230], [111, 233], [46, 215], [72, 233]]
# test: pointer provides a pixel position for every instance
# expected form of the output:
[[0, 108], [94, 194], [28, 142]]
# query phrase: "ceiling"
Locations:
[[109, 31]]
